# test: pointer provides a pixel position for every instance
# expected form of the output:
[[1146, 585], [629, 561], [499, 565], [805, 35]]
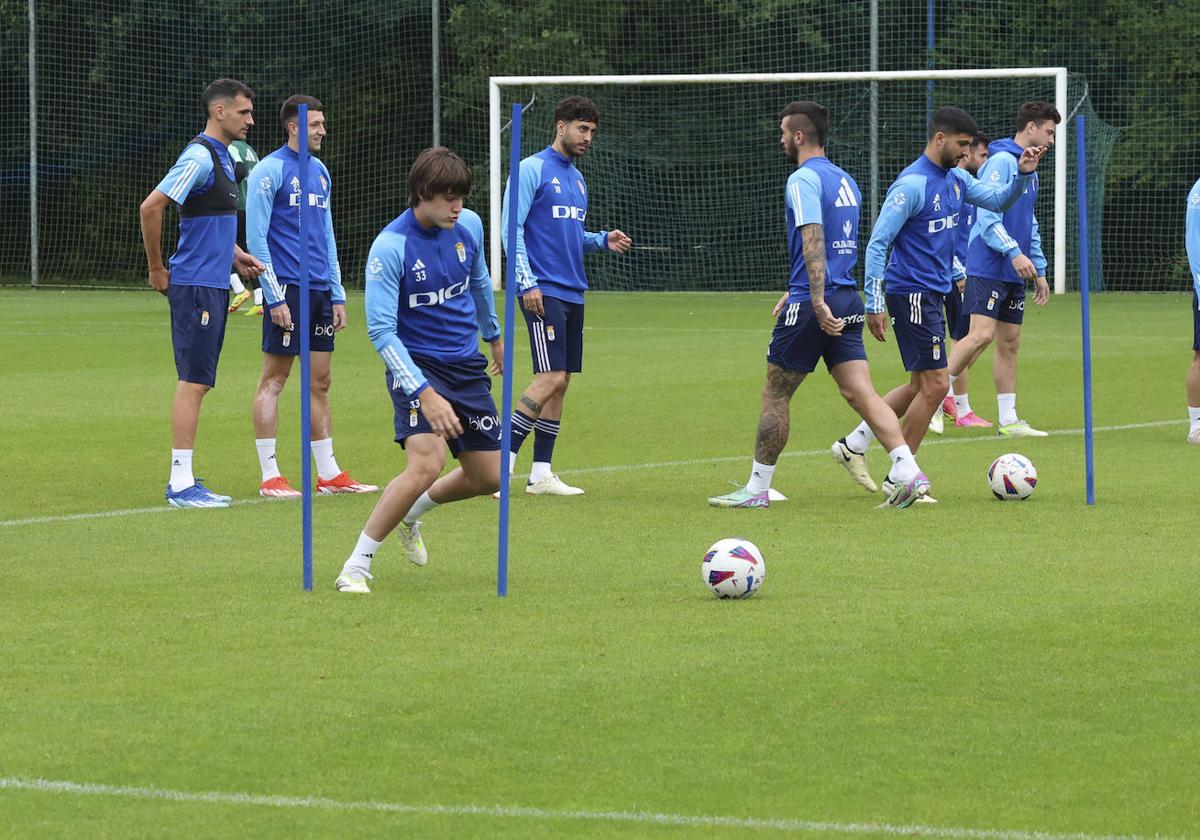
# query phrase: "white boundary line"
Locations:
[[612, 468], [518, 812]]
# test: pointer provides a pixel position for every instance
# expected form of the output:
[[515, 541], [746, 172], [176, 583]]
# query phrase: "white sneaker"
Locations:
[[551, 485], [889, 488], [411, 542], [854, 462], [354, 582], [1194, 436], [937, 423]]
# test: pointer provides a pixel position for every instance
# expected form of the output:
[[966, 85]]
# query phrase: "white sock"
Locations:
[[512, 462], [1007, 404], [360, 559], [235, 283], [258, 297], [181, 470], [327, 465], [760, 477], [266, 458], [950, 390], [419, 507], [860, 438], [904, 465], [539, 470], [962, 404], [1194, 417]]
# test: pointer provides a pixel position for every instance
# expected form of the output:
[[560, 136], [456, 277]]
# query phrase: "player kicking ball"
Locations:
[[821, 316], [429, 296]]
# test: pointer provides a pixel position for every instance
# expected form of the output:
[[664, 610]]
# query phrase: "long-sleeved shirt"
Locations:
[[1192, 235], [996, 239]]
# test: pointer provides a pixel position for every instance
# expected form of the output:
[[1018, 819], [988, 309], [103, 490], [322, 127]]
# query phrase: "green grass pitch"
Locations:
[[973, 666]]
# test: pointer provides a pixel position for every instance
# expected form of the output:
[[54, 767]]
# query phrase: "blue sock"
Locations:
[[546, 433], [522, 425]]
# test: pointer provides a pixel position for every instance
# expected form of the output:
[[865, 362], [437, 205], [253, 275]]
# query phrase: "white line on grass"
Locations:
[[518, 812], [611, 468]]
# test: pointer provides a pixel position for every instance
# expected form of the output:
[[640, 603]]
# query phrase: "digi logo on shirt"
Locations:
[[563, 211], [944, 223], [442, 295]]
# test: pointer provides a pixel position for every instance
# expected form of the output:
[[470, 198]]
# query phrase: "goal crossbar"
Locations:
[[1059, 74]]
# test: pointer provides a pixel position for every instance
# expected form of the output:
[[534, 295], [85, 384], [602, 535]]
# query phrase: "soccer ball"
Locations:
[[733, 568], [1012, 476]]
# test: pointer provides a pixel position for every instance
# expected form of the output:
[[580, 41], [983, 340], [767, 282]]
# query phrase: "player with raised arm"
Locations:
[[203, 183], [273, 224], [429, 299], [551, 207], [1004, 253], [821, 315], [1192, 242], [244, 160], [912, 250], [958, 320]]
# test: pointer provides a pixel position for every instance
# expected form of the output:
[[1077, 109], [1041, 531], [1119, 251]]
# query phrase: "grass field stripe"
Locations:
[[611, 468], [518, 812]]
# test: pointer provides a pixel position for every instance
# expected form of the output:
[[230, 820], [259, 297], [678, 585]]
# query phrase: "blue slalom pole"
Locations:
[[305, 369], [1085, 305], [506, 398]]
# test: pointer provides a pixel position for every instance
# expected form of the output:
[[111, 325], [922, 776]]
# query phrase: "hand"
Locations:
[[618, 241], [1024, 267], [246, 266], [1041, 293], [962, 286], [440, 414], [497, 367], [281, 316], [825, 320], [1030, 158], [339, 317], [160, 278], [779, 306], [532, 301], [877, 323]]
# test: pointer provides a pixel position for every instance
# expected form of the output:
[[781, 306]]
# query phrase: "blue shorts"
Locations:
[[281, 342], [996, 299], [556, 339], [465, 384], [797, 341], [197, 330], [958, 319], [1195, 322], [919, 328]]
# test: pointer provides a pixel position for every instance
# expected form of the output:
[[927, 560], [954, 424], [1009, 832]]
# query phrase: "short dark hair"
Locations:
[[437, 171], [809, 117], [224, 89], [1038, 112], [291, 107], [980, 139], [576, 108], [951, 120]]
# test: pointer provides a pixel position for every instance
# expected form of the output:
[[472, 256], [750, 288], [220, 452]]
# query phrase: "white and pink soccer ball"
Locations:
[[1012, 477], [733, 568]]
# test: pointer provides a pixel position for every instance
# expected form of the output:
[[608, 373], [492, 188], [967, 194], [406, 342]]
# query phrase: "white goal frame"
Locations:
[[1059, 74]]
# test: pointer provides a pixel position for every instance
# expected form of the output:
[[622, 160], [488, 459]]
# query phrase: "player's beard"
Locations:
[[789, 150]]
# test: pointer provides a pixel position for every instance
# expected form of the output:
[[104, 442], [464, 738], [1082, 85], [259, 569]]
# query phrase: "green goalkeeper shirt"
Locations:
[[240, 150]]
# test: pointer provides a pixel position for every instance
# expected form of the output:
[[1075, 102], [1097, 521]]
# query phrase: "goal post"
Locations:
[[906, 140]]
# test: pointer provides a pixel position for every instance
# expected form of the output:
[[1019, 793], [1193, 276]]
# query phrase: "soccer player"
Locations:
[[273, 225], [202, 182], [821, 315], [551, 207], [1005, 252], [917, 225], [244, 160], [958, 320], [429, 296], [1192, 239]]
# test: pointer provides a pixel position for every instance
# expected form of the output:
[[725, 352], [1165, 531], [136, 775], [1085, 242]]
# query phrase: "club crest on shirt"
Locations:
[[324, 184], [461, 250]]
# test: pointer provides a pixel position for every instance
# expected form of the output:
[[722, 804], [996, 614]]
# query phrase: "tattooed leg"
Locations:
[[774, 419]]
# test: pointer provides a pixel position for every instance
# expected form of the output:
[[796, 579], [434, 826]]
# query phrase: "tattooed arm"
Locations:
[[813, 244]]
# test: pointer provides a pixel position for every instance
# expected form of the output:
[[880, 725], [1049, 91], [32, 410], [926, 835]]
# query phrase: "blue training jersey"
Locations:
[[823, 194], [997, 239], [962, 236], [204, 254], [273, 226], [552, 204], [416, 295], [917, 225], [1192, 235]]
